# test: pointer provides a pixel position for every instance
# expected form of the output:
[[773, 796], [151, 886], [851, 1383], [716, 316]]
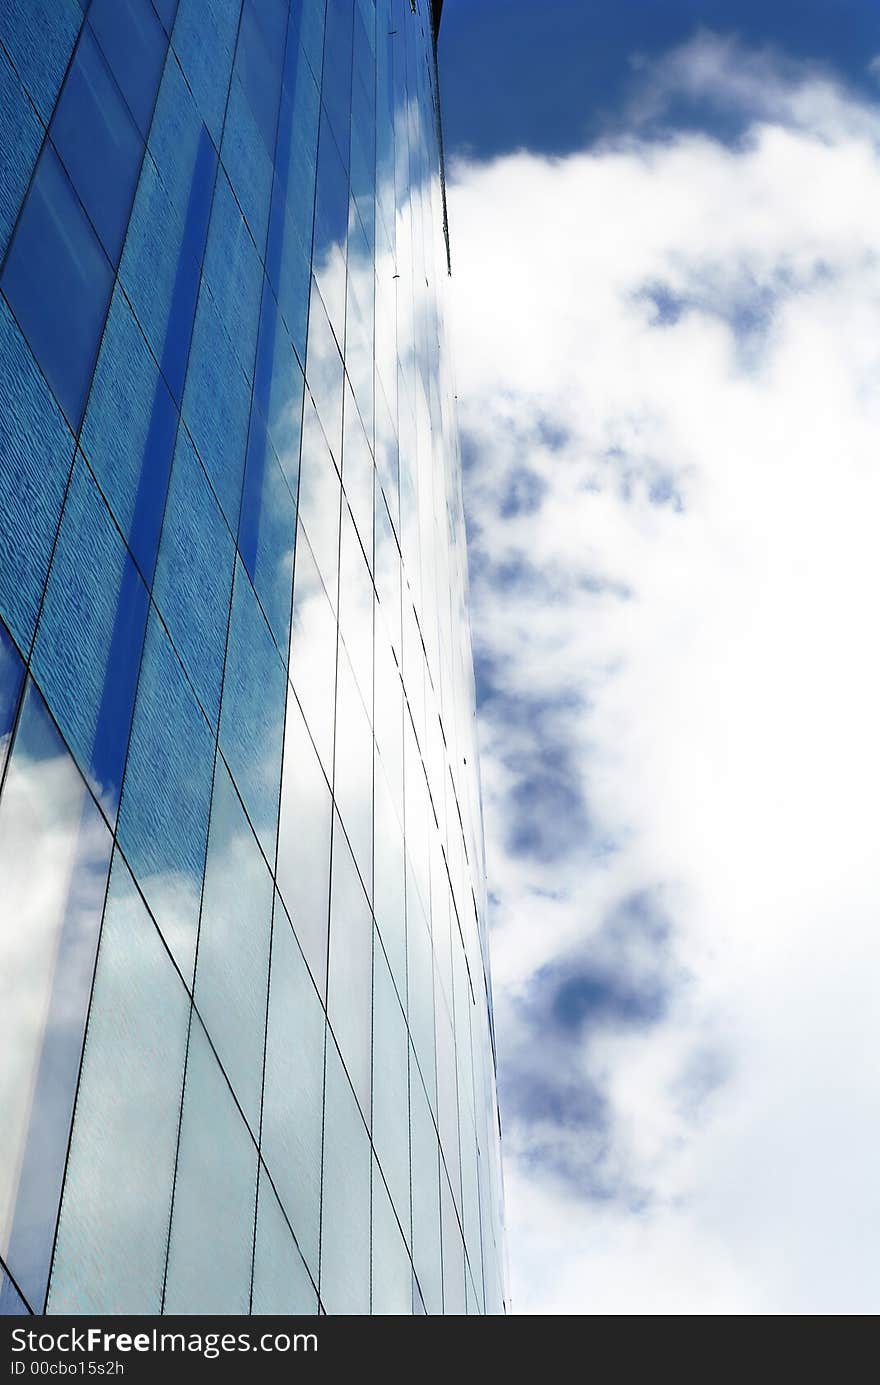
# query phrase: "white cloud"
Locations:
[[668, 360]]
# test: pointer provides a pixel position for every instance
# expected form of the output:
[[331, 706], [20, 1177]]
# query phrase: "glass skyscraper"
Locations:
[[246, 1052]]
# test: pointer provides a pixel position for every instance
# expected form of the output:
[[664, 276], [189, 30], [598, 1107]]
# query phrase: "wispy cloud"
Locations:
[[669, 383]]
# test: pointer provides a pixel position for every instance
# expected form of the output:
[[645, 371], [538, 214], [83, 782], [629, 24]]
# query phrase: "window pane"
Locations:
[[278, 389], [11, 679], [193, 581], [281, 1280], [425, 1197], [132, 39], [390, 1088], [320, 494], [36, 452], [353, 783], [349, 987], [293, 1088], [54, 857], [304, 842], [128, 433], [312, 662], [216, 404], [252, 716], [232, 270], [248, 162], [204, 40], [39, 36], [89, 640], [163, 819], [98, 142], [113, 1231], [212, 1226], [324, 374], [57, 280], [345, 1197], [267, 530], [232, 972], [22, 136], [391, 1266]]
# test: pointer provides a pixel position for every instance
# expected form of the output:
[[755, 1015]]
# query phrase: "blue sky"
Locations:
[[550, 76], [666, 322]]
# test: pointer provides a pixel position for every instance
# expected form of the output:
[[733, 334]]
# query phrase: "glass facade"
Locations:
[[246, 1051]]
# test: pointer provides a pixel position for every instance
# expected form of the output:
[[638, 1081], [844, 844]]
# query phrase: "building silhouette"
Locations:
[[246, 1055]]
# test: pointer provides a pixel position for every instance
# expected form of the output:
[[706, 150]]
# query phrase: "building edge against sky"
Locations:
[[246, 1049]]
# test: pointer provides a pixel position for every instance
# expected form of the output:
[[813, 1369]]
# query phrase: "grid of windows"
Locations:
[[246, 1058]]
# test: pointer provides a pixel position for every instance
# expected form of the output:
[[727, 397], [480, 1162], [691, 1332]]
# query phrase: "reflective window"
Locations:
[[278, 389], [57, 280], [349, 983], [211, 1247], [294, 1088], [216, 404], [391, 1265], [390, 1124], [36, 452], [51, 832], [312, 662], [128, 433], [282, 1283], [99, 144], [39, 36], [304, 842], [324, 373], [232, 971], [163, 819], [320, 495], [252, 716], [267, 530], [353, 780], [233, 274], [110, 1256], [425, 1197], [89, 640], [193, 581], [345, 1196], [23, 135], [204, 41], [133, 41], [11, 679]]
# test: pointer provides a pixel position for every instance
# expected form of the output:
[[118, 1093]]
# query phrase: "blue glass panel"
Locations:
[[293, 1088], [281, 1280], [110, 1254], [57, 280], [128, 433], [353, 779], [345, 1197], [336, 86], [331, 228], [247, 162], [12, 1305], [54, 857], [278, 389], [132, 39], [319, 501], [232, 269], [204, 40], [159, 269], [163, 818], [258, 63], [39, 36], [252, 716], [212, 1229], [11, 679], [166, 10], [293, 197], [89, 640], [216, 403], [349, 979], [194, 575], [232, 970], [311, 32], [267, 531], [22, 136], [98, 142], [36, 452]]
